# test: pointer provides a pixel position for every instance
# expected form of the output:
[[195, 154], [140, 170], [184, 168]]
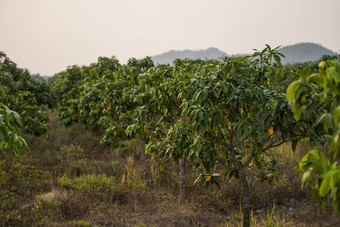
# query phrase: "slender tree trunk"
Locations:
[[246, 191], [141, 167], [243, 178], [182, 165], [142, 152]]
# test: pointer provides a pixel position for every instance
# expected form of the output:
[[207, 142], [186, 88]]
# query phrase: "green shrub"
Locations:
[[64, 182], [96, 183], [73, 161], [93, 184]]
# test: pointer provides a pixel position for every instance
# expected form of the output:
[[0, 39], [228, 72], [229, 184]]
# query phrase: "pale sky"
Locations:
[[46, 36]]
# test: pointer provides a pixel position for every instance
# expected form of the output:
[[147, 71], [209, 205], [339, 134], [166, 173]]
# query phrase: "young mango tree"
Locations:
[[24, 95], [95, 95], [316, 98], [158, 113], [67, 91], [124, 99], [237, 116]]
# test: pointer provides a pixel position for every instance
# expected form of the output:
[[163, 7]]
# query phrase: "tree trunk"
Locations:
[[243, 178], [182, 164], [245, 187], [142, 152]]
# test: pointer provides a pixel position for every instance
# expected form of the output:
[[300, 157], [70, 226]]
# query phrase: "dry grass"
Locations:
[[30, 194]]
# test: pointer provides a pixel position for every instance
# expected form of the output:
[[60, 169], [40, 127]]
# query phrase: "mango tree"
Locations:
[[236, 116], [24, 95], [158, 109], [123, 96]]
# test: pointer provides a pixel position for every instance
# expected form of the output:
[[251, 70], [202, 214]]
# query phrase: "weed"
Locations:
[[72, 161], [79, 223], [131, 177], [47, 210], [271, 220]]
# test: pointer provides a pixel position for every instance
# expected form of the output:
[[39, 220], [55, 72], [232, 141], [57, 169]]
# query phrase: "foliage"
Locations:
[[94, 184], [24, 95], [316, 97], [229, 113], [10, 123], [40, 200]]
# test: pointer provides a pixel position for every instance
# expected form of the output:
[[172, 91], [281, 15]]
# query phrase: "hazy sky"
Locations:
[[45, 36]]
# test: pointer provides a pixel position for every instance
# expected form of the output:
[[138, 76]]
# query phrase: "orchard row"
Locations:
[[226, 115]]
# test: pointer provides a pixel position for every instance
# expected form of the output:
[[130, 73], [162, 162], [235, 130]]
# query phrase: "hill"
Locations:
[[170, 56], [301, 52]]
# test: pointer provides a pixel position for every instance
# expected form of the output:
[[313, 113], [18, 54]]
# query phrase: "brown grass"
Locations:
[[30, 194]]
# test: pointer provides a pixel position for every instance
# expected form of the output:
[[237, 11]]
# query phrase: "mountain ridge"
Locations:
[[171, 55], [295, 53]]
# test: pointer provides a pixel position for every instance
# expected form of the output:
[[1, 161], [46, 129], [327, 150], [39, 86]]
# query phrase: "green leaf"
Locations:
[[175, 129], [296, 111], [335, 178], [306, 178], [304, 163], [2, 90], [315, 158], [277, 59], [325, 184], [322, 65], [15, 138], [293, 87], [333, 73], [305, 74], [197, 96], [318, 79], [2, 136]]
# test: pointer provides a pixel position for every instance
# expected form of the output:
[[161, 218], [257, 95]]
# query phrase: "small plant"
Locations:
[[79, 223], [99, 186], [73, 161], [64, 182], [271, 220], [93, 184], [47, 210], [131, 178]]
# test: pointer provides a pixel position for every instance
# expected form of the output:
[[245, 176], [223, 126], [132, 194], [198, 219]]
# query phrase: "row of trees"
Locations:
[[225, 116], [21, 101], [221, 115], [25, 95]]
